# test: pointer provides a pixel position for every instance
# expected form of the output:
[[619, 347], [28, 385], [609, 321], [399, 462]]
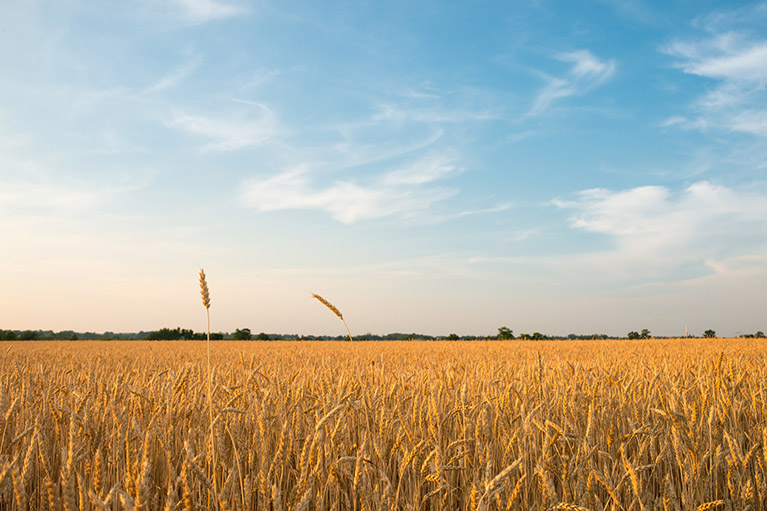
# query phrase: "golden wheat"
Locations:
[[661, 424]]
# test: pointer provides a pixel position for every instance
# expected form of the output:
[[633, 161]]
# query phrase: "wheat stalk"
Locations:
[[495, 484], [710, 505], [565, 506], [206, 303], [335, 311]]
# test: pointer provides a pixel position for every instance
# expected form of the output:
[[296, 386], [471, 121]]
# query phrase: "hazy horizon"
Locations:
[[427, 168]]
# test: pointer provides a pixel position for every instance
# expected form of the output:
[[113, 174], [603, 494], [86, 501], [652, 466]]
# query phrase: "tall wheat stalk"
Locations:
[[335, 311], [206, 302]]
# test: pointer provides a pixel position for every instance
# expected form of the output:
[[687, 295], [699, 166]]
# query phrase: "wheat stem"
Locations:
[[206, 303], [335, 311]]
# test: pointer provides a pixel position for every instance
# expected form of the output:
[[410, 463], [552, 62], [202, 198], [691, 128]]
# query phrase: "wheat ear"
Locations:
[[335, 311], [206, 303]]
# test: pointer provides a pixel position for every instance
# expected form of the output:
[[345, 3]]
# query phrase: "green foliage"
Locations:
[[535, 336], [709, 334], [242, 334], [505, 333], [170, 334], [9, 335], [452, 337], [645, 333], [633, 335], [263, 337]]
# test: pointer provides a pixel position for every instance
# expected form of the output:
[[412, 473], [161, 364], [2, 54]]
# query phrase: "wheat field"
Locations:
[[571, 425]]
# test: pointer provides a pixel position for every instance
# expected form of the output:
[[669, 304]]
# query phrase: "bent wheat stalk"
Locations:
[[206, 303], [335, 311]]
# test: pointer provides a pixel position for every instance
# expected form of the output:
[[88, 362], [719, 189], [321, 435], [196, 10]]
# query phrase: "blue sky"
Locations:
[[439, 167]]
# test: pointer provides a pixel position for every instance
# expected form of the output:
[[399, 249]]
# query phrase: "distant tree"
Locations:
[[537, 336], [452, 337], [218, 336], [165, 334], [73, 337], [633, 335], [10, 335], [525, 337], [645, 333], [759, 335], [505, 333], [170, 334], [263, 337], [28, 335], [242, 334], [709, 333]]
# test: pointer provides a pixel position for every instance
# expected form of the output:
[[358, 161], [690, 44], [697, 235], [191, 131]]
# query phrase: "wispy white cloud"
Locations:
[[393, 112], [735, 61], [175, 76], [655, 231], [400, 191], [750, 121], [586, 73], [420, 172], [230, 133], [673, 121], [501, 207], [201, 11]]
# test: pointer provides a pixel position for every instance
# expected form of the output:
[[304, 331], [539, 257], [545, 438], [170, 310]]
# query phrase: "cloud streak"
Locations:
[[402, 191], [175, 76], [201, 11], [736, 63], [656, 232], [230, 133], [586, 73]]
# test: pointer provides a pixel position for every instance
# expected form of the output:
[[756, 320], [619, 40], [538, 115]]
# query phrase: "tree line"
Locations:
[[505, 333], [245, 334]]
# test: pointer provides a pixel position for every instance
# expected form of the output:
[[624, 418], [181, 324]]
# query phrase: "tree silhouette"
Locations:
[[242, 334], [505, 333]]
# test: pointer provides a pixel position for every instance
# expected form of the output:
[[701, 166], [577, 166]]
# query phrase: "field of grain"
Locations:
[[639, 425]]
